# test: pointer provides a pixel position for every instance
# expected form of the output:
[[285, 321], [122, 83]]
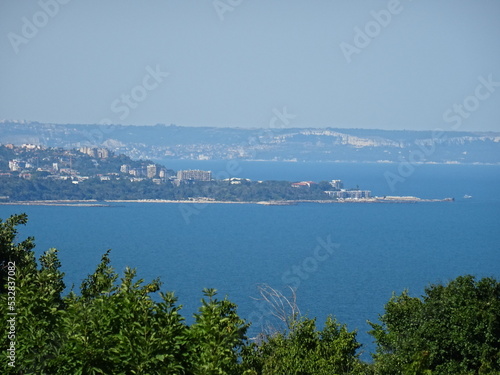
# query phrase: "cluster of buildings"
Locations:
[[59, 164], [337, 190], [161, 175], [95, 152], [150, 171], [17, 165], [349, 194]]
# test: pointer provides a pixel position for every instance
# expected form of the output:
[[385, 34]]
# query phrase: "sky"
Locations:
[[396, 64]]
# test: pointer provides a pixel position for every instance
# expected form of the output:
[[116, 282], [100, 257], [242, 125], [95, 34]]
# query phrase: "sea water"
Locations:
[[342, 259]]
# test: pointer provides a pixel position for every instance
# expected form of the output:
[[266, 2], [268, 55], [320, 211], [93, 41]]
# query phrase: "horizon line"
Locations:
[[26, 122]]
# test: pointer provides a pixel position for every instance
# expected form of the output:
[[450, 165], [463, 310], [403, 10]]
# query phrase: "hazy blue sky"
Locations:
[[232, 62]]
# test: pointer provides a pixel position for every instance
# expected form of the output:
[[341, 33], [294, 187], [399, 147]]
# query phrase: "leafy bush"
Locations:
[[454, 329], [304, 350]]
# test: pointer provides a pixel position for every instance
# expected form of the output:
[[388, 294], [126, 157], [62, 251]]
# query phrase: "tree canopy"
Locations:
[[453, 329]]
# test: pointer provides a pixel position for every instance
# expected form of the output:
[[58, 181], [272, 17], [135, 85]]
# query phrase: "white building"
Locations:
[[151, 171], [194, 175], [337, 184], [349, 194], [14, 165]]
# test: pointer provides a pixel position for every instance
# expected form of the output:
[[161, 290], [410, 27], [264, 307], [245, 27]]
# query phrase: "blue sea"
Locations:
[[343, 259]]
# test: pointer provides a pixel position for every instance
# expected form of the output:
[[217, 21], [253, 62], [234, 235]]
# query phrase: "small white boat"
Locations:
[[467, 196]]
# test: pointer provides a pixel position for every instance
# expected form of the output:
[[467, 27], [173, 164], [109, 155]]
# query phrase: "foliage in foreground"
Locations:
[[302, 349], [455, 329], [114, 326]]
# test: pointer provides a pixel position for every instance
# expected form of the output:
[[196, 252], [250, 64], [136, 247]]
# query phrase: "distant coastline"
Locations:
[[264, 144], [96, 177]]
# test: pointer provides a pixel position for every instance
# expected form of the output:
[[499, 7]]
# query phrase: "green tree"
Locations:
[[299, 347], [36, 293], [110, 328], [453, 329], [19, 253], [302, 349], [114, 329], [216, 338]]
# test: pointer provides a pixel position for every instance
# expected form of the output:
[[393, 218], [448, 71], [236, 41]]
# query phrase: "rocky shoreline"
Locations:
[[108, 203]]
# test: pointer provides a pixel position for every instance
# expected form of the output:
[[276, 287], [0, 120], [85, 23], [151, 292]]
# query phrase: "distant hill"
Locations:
[[295, 144]]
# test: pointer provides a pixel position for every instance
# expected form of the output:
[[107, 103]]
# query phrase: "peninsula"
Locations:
[[32, 174]]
